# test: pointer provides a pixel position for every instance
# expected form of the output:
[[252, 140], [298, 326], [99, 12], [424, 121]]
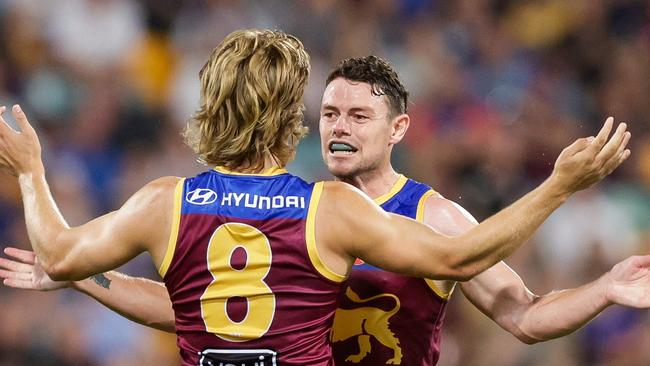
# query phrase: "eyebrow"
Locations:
[[352, 110]]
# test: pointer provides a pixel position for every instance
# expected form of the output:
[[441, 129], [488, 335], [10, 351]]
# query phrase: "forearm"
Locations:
[[43, 220], [500, 235], [559, 313], [141, 300]]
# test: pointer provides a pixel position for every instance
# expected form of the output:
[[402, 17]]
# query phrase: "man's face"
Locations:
[[355, 128]]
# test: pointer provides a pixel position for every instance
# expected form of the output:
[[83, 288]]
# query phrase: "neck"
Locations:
[[269, 162], [373, 183]]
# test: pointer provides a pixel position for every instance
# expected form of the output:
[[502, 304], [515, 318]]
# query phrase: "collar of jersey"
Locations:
[[267, 173], [399, 184]]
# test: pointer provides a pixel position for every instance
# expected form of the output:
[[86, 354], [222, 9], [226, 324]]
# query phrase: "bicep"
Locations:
[[357, 227]]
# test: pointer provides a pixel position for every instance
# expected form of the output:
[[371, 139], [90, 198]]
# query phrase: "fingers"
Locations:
[[15, 266], [604, 132], [19, 284], [4, 126], [22, 276], [25, 256], [578, 145], [614, 143], [21, 118], [618, 157]]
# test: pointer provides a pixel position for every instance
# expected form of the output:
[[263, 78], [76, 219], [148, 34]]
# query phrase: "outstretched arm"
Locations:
[[401, 245], [500, 293], [100, 245], [143, 301]]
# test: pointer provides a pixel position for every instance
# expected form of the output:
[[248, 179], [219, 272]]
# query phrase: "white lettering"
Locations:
[[250, 204], [249, 200], [238, 197], [264, 201], [226, 198], [292, 201], [278, 202]]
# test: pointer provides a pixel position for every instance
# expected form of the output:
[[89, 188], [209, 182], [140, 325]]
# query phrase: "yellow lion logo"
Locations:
[[365, 322]]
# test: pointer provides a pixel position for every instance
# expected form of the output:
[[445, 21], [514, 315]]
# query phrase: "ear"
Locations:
[[399, 125]]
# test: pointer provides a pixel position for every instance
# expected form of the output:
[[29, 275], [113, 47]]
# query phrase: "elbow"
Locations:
[[60, 272], [526, 339], [56, 272], [523, 330], [460, 270], [165, 326], [459, 275]]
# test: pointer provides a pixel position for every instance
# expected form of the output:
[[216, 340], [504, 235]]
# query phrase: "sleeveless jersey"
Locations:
[[246, 283], [386, 318]]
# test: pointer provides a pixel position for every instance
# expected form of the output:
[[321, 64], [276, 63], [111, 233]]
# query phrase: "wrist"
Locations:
[[80, 285], [35, 170], [555, 190], [603, 288]]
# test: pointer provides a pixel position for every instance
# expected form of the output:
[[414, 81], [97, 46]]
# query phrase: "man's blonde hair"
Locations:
[[251, 100]]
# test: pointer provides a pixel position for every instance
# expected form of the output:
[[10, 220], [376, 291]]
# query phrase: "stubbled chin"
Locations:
[[340, 168]]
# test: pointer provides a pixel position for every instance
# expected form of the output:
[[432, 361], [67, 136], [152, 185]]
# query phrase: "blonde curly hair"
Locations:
[[251, 100]]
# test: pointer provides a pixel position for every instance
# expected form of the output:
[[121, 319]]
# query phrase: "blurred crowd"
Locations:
[[497, 89]]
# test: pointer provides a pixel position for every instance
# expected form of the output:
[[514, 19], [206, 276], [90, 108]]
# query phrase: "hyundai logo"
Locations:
[[201, 196]]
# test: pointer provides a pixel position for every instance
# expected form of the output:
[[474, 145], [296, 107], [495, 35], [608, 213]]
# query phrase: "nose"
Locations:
[[341, 127]]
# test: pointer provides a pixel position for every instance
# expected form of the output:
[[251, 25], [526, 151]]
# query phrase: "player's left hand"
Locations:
[[20, 151], [24, 272], [628, 283]]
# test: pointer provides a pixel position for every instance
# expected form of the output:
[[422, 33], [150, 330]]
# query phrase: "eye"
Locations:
[[328, 115], [360, 117]]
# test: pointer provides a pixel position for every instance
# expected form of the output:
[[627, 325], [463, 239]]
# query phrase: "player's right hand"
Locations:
[[589, 160], [24, 272]]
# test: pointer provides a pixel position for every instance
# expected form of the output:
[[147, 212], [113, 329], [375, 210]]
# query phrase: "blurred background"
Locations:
[[497, 87]]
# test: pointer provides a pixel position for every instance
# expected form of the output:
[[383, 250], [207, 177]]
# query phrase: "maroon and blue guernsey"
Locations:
[[246, 283], [386, 318]]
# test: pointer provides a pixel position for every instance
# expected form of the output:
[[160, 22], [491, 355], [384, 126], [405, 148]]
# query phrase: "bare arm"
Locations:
[[139, 299], [142, 224], [350, 225], [501, 294]]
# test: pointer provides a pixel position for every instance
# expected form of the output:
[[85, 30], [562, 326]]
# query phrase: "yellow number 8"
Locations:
[[247, 282]]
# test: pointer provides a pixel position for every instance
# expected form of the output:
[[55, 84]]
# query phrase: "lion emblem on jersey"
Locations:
[[364, 322]]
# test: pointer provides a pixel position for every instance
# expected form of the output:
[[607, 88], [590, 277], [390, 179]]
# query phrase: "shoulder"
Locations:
[[343, 194], [160, 186], [446, 216], [158, 193]]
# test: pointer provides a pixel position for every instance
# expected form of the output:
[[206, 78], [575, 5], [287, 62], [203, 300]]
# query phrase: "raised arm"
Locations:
[[350, 225], [139, 299], [142, 224]]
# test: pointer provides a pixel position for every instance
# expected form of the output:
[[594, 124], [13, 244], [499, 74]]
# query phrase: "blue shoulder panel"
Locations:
[[246, 196]]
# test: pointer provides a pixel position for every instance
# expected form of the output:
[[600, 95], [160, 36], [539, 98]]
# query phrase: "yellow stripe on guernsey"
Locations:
[[173, 236], [310, 236], [401, 181], [276, 170], [419, 216]]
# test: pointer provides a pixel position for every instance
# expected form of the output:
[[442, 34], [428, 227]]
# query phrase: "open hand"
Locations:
[[628, 283], [589, 160], [24, 272], [20, 151]]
